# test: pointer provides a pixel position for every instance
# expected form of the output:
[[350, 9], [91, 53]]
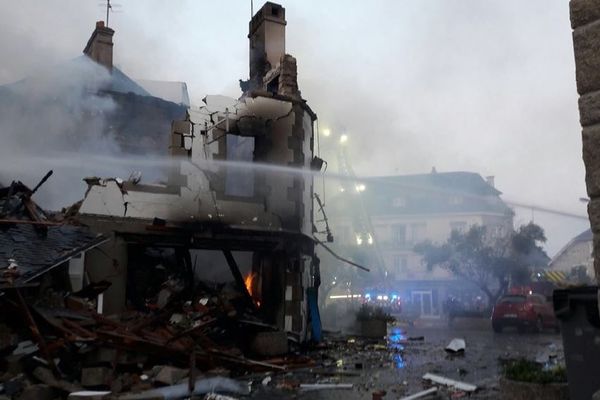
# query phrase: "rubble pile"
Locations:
[[60, 341]]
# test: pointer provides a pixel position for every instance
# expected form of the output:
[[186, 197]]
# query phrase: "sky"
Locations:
[[462, 85]]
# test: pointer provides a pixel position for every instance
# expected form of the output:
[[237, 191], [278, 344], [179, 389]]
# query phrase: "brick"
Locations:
[[591, 158], [586, 44], [583, 12]]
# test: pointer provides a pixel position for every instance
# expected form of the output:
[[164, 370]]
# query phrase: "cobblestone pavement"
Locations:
[[398, 365]]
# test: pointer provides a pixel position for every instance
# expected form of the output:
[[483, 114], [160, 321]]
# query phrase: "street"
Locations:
[[398, 366]]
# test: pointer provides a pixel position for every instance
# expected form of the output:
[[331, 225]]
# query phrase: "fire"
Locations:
[[249, 282]]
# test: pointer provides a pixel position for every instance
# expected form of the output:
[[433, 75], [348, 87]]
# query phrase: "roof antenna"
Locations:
[[110, 8], [251, 9]]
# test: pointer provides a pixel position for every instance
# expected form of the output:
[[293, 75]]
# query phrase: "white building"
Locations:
[[391, 214]]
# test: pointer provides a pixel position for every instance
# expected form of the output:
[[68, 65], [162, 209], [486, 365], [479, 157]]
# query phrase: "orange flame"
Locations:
[[249, 282]]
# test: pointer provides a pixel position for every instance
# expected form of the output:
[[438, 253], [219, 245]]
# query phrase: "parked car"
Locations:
[[530, 311]]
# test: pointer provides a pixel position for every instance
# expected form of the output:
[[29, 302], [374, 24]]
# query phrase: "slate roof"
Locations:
[[433, 193], [35, 252], [175, 92], [35, 247]]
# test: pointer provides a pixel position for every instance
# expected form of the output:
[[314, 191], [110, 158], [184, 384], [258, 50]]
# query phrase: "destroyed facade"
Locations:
[[222, 192]]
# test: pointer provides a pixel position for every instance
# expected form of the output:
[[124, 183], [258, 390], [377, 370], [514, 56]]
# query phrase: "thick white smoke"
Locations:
[[60, 112]]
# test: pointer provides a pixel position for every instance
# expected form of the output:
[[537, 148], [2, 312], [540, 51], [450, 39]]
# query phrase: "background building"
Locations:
[[389, 215]]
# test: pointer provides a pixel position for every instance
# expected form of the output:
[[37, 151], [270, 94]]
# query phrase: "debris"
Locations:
[[378, 394], [96, 376], [466, 387], [269, 343], [422, 394], [201, 386], [416, 338], [266, 381], [214, 396], [168, 375], [89, 395], [325, 386], [25, 348], [456, 345]]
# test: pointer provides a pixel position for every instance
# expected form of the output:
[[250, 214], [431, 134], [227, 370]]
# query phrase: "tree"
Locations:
[[491, 262]]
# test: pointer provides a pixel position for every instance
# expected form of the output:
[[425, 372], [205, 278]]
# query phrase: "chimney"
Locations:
[[267, 41], [490, 181], [100, 46]]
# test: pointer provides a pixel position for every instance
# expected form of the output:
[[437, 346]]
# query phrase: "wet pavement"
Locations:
[[397, 365]]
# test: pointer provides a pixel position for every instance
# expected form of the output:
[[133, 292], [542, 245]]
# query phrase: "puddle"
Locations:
[[395, 339]]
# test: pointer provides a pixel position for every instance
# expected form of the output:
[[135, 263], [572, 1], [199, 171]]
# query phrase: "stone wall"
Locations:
[[585, 21]]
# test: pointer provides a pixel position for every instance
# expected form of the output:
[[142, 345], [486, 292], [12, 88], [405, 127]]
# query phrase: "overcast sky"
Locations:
[[483, 86]]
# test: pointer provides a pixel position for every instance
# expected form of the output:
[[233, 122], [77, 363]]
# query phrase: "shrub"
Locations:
[[532, 372]]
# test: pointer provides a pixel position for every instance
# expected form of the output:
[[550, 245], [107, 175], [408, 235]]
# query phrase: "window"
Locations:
[[399, 202], [418, 232], [458, 226], [239, 181], [400, 263], [456, 200], [399, 234]]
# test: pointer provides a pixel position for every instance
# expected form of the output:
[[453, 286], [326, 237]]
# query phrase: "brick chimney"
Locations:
[[100, 46], [267, 40]]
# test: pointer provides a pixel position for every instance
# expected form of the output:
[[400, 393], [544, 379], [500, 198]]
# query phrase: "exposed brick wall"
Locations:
[[585, 21]]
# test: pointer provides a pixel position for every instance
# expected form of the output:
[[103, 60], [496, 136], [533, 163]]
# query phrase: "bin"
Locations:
[[577, 310]]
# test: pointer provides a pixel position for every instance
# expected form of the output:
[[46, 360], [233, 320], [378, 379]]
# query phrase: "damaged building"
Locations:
[[123, 278], [225, 190]]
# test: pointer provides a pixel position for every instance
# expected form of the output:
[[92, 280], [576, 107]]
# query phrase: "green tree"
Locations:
[[491, 262]]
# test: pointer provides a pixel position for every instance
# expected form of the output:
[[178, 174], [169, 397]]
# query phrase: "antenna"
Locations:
[[110, 8], [251, 9]]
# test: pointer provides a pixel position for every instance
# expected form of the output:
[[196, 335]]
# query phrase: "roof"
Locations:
[[585, 236], [433, 193], [175, 92], [85, 69], [30, 243], [34, 252]]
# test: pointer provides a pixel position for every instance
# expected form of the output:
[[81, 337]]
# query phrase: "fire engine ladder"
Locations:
[[361, 222]]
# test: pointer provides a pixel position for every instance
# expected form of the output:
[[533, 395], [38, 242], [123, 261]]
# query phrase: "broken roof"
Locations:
[[31, 244], [34, 252]]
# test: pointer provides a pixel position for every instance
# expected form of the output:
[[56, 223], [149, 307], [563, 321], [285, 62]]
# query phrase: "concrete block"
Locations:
[[269, 343], [591, 158], [37, 392], [586, 44], [589, 108], [95, 376], [583, 12], [168, 375]]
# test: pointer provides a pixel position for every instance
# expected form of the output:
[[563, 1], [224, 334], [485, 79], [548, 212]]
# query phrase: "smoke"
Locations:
[[58, 112]]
